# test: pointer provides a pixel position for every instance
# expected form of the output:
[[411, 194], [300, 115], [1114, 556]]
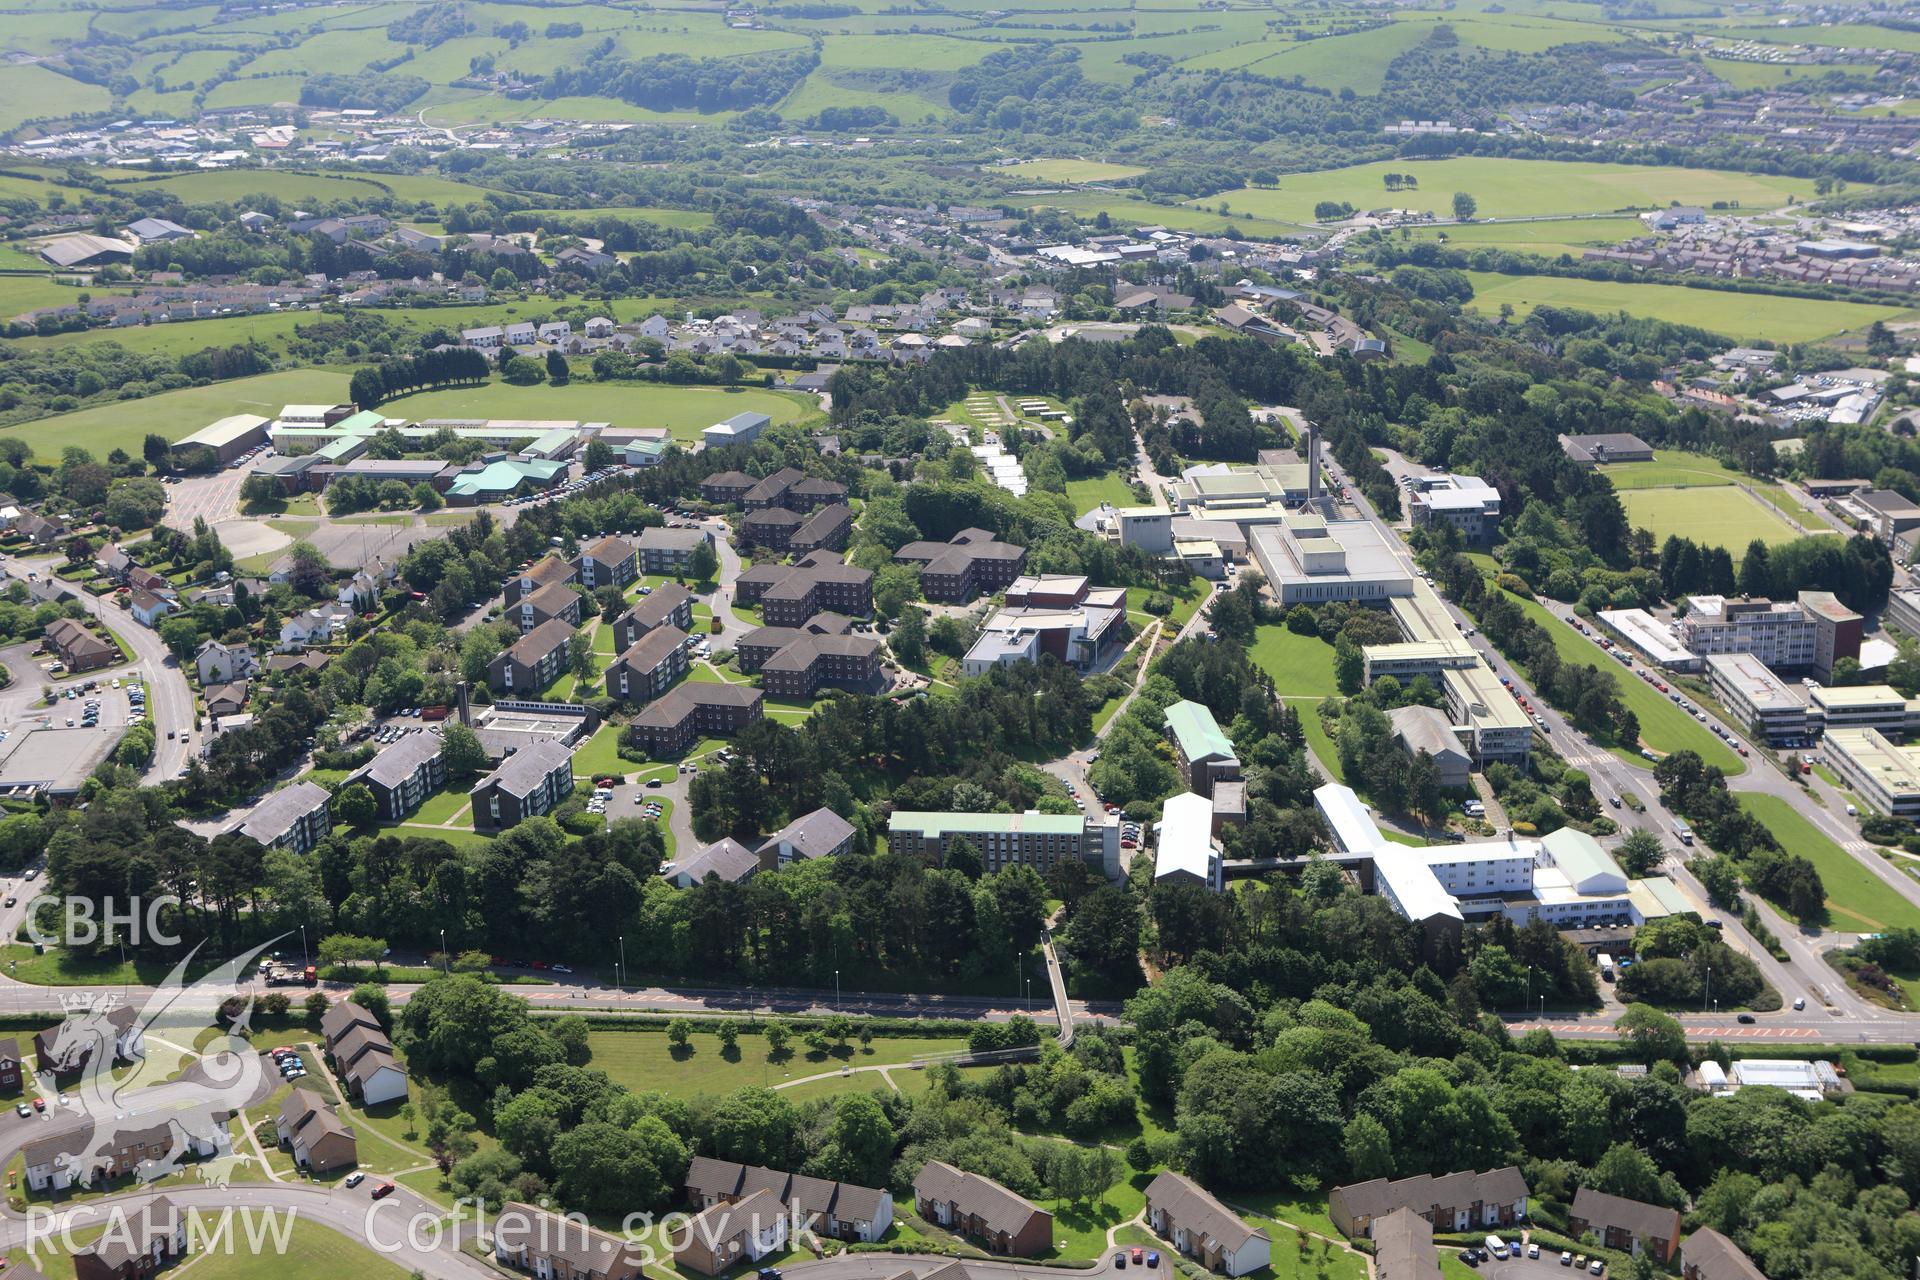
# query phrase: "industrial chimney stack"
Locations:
[[1313, 464]]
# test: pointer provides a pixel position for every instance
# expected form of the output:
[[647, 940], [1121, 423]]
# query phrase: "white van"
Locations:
[[1496, 1247]]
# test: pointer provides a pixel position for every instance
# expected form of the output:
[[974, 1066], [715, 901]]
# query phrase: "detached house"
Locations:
[[970, 1205], [1198, 1225], [219, 663]]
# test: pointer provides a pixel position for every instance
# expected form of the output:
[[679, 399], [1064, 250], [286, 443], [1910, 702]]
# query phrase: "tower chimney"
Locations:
[[1313, 463], [464, 700]]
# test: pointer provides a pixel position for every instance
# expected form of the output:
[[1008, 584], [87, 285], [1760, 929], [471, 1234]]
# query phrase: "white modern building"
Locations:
[[1756, 696], [1310, 560], [1780, 634], [1185, 851], [1467, 503]]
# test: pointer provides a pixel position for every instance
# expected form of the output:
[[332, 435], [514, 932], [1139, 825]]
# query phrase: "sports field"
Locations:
[[685, 411], [1722, 516], [1740, 316], [1069, 171], [1670, 469], [124, 424], [1513, 188]]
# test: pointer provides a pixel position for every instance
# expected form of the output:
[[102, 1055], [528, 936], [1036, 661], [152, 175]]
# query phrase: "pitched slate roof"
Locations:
[[1190, 1205], [998, 1208]]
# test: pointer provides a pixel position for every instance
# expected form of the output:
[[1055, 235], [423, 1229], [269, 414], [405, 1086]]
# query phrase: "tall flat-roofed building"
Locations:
[[1466, 503], [1309, 560], [1837, 630], [1865, 706], [1779, 634], [1883, 773], [1756, 696], [1038, 840]]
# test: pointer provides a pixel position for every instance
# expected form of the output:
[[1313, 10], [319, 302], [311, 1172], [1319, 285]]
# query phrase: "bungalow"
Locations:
[[970, 1205], [226, 699], [147, 608], [743, 1231], [319, 1140], [112, 562], [1199, 1226], [551, 1246], [1631, 1226]]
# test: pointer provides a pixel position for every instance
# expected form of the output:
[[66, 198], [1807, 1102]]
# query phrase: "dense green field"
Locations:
[[124, 424], [645, 1060], [1723, 516], [1549, 239], [686, 411], [1301, 666], [1858, 901], [28, 93], [1513, 188], [1128, 211], [1091, 492], [1670, 469], [1735, 315], [1069, 171]]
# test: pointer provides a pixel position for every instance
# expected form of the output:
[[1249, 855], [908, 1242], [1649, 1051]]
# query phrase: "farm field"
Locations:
[[1664, 727], [1734, 315], [173, 414], [1070, 171], [182, 337], [1549, 239], [30, 92], [30, 293], [1513, 188], [1858, 901], [1719, 515], [685, 219], [686, 411], [645, 1060]]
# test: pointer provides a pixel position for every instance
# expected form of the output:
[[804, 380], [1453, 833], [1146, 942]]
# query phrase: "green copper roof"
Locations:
[[1198, 734]]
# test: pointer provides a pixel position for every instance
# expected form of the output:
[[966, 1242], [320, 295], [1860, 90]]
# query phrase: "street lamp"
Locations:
[[1529, 985], [836, 991], [304, 959], [445, 967], [1709, 995], [622, 974]]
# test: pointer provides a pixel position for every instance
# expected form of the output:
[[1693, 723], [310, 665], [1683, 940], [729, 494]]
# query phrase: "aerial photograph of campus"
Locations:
[[905, 640]]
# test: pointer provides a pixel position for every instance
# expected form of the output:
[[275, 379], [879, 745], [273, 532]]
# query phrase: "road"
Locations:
[[1832, 1010]]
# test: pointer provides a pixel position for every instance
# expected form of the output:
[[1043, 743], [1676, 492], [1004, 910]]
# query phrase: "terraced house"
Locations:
[[549, 1246], [843, 1210], [1180, 1210], [981, 1209]]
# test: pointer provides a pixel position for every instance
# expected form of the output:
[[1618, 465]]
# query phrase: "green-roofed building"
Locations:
[[1038, 840], [343, 450], [500, 479], [1205, 753]]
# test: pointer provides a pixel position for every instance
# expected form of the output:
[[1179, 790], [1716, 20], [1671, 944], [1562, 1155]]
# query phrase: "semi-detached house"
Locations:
[[1180, 1211], [550, 1246]]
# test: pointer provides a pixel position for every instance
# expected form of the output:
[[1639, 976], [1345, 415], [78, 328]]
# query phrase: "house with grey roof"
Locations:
[[530, 782], [979, 1208], [820, 834], [727, 858], [403, 776], [1180, 1211], [295, 817]]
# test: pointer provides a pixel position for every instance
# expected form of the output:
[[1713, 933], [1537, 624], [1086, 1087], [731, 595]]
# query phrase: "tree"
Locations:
[[317, 1005], [524, 371], [599, 455], [349, 949], [558, 372], [580, 660], [729, 1033], [1654, 1036], [1756, 574], [679, 1032], [1640, 853], [909, 638], [1464, 206], [181, 635], [366, 389], [1369, 1149], [461, 748], [354, 805], [703, 562], [777, 1034], [156, 451]]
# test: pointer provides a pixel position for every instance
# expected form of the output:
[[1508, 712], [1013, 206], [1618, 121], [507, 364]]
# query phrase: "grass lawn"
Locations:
[[686, 411], [1301, 666], [61, 968], [1670, 469], [1511, 188], [1091, 492], [1309, 1211], [123, 424], [1315, 731], [644, 1060], [601, 755], [1858, 901], [1735, 315], [1185, 600], [1721, 516], [1663, 726], [1069, 171], [1080, 1226], [441, 807]]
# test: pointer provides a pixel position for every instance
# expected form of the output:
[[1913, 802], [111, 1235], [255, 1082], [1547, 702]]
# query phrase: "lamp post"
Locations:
[[445, 965], [1529, 985], [622, 974], [304, 959], [1709, 995], [836, 991]]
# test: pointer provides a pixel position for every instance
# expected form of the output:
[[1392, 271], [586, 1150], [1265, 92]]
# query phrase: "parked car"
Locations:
[[354, 1179], [382, 1191]]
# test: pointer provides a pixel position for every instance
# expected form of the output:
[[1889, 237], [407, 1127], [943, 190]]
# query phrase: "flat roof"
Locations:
[[1857, 695], [58, 761], [942, 824], [1646, 633], [1353, 827], [1895, 769], [1755, 683]]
